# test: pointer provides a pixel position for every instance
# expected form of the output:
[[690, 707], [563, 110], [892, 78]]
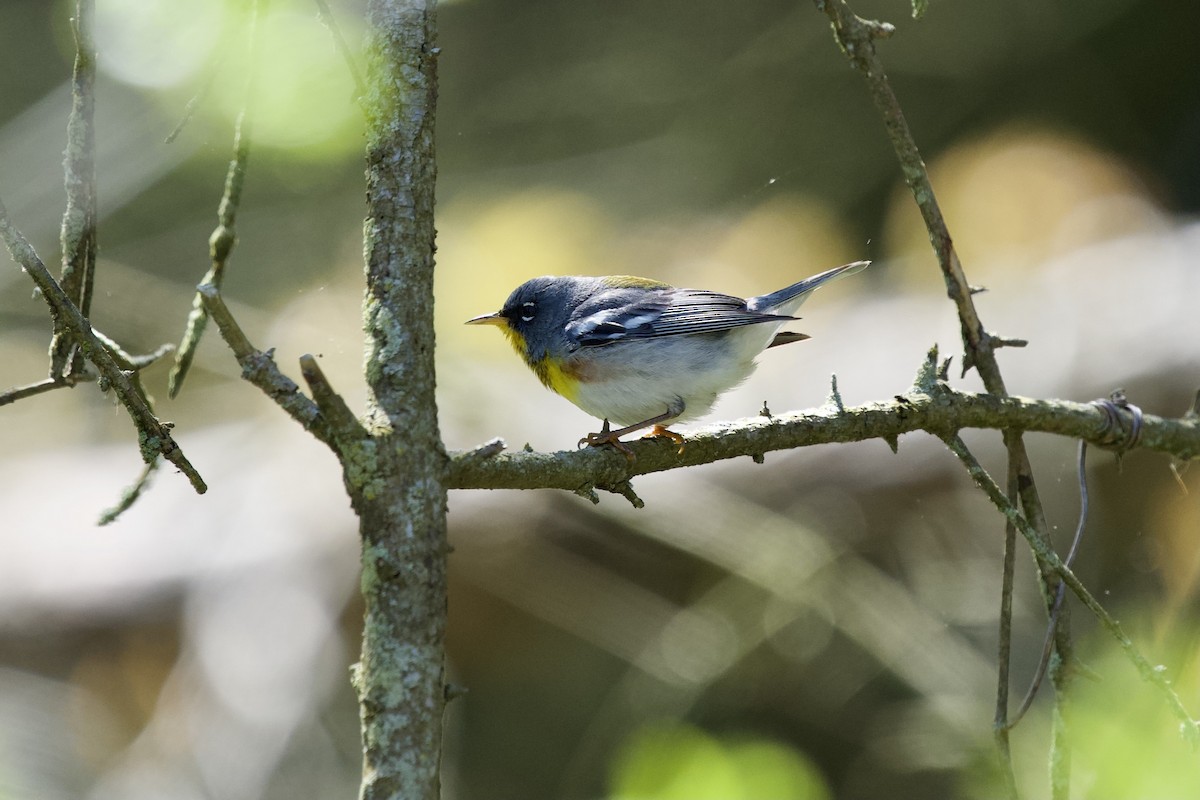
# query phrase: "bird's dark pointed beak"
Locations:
[[488, 319]]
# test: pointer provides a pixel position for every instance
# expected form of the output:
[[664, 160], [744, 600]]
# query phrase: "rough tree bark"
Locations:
[[393, 471]]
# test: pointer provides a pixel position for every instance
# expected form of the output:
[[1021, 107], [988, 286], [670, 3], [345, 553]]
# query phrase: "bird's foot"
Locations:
[[608, 436], [661, 432]]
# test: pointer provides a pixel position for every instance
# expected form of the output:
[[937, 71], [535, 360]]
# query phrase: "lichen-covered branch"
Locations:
[[260, 369], [78, 233], [154, 437], [941, 413]]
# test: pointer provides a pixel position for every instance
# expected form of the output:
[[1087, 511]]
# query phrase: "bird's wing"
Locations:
[[672, 312]]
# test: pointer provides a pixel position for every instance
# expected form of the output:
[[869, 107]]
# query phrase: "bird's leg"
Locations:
[[607, 436]]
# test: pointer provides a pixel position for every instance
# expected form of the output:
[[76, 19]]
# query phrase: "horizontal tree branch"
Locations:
[[938, 410], [41, 387]]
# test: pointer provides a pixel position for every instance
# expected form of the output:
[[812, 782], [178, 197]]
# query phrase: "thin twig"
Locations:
[[857, 38], [1004, 645], [1155, 676], [335, 412], [339, 43], [41, 387], [129, 361], [192, 105], [1060, 595], [154, 437], [260, 369], [224, 237], [1122, 439], [78, 234], [131, 493]]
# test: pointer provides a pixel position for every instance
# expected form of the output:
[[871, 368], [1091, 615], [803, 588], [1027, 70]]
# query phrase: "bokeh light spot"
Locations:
[[156, 43]]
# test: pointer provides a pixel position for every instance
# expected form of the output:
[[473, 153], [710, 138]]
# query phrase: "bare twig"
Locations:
[[220, 245], [338, 417], [128, 361], [41, 387], [339, 42], [1123, 439], [154, 437], [190, 108], [260, 369], [1156, 676], [1004, 642], [1048, 641], [1178, 466], [857, 39], [224, 236], [131, 494], [78, 235]]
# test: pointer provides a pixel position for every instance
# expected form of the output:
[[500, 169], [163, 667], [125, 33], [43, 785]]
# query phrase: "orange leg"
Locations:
[[658, 429], [661, 432]]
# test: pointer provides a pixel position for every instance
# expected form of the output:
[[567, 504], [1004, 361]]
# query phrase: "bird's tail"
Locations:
[[787, 300]]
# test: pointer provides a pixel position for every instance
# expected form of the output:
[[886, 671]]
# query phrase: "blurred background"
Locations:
[[819, 626]]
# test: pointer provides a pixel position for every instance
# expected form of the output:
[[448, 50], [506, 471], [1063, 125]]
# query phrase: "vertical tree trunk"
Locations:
[[395, 478]]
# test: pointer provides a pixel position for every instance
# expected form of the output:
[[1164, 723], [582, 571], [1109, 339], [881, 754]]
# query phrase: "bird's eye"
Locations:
[[527, 311]]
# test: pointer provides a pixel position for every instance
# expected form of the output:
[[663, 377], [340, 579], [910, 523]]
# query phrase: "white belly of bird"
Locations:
[[668, 373]]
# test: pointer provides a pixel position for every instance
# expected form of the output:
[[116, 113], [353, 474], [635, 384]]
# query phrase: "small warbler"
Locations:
[[640, 353]]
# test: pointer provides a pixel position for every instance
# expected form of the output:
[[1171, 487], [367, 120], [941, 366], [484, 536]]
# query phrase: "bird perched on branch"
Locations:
[[640, 353]]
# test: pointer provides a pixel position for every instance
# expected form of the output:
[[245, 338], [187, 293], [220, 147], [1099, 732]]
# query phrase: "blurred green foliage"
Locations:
[[672, 761]]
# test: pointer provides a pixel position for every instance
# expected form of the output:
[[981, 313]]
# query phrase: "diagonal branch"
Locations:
[[260, 369], [1155, 676], [856, 37], [154, 437]]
